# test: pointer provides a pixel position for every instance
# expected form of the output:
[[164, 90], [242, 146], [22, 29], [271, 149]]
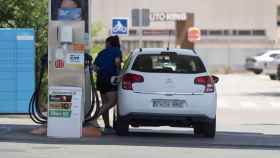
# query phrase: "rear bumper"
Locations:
[[256, 66], [197, 105], [254, 69], [175, 120], [270, 71]]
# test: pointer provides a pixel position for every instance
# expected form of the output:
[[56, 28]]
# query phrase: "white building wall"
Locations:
[[217, 52], [209, 14]]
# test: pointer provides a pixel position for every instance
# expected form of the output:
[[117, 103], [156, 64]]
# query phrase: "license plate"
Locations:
[[165, 103]]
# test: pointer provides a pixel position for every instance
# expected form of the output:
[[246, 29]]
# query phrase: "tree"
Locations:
[[28, 14], [97, 30]]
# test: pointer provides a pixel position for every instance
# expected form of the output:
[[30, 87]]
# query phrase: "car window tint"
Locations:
[[278, 56], [273, 55], [260, 54], [158, 63]]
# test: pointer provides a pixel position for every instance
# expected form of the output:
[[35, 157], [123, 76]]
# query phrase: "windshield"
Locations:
[[260, 54]]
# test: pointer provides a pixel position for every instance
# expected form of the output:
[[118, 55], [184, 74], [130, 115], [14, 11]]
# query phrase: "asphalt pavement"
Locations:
[[248, 125]]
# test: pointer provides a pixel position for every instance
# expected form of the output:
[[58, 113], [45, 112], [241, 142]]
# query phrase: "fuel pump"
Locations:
[[72, 98]]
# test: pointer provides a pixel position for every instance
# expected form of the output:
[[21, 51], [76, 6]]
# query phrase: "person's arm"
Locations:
[[118, 63]]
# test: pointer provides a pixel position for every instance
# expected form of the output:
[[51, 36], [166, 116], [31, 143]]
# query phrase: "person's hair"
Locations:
[[108, 41], [113, 41], [116, 42]]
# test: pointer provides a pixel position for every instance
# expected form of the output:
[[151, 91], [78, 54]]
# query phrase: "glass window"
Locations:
[[273, 55], [168, 63], [259, 33], [204, 32], [216, 32], [244, 32], [261, 54], [226, 32], [278, 56]]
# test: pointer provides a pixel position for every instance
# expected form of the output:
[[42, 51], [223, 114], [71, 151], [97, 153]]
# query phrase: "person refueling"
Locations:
[[107, 66]]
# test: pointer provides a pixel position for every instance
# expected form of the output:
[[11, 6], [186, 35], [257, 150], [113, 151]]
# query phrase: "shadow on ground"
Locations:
[[265, 94], [146, 137]]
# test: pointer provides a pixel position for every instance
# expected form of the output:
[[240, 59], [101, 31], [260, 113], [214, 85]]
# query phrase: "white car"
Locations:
[[257, 63], [273, 68], [166, 87]]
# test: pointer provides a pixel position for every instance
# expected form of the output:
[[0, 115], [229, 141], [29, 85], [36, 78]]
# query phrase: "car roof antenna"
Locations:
[[169, 38]]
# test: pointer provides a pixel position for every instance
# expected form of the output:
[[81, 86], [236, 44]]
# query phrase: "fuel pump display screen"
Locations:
[[70, 10]]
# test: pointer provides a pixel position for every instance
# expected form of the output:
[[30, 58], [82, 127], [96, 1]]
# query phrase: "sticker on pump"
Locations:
[[75, 59], [59, 53], [59, 64]]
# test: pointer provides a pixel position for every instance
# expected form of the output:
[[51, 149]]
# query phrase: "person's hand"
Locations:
[[115, 80]]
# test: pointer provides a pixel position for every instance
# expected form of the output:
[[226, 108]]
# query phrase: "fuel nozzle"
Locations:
[[88, 61]]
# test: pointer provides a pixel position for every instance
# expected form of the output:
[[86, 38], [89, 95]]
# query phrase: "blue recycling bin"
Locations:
[[17, 69]]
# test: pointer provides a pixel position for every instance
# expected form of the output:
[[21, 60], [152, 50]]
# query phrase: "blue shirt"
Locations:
[[105, 61]]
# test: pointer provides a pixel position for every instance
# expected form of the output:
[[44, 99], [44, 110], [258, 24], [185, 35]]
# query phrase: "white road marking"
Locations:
[[222, 104], [249, 105], [275, 105]]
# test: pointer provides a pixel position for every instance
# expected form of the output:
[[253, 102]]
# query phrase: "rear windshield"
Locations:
[[260, 54], [168, 63]]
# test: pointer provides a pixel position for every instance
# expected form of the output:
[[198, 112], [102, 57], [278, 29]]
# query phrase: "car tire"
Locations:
[[273, 77], [121, 126], [198, 130], [209, 129], [114, 120], [278, 72], [257, 72]]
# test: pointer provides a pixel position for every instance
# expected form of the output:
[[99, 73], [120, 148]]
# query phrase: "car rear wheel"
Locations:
[[273, 77], [257, 72], [209, 129], [121, 126], [278, 72], [198, 130]]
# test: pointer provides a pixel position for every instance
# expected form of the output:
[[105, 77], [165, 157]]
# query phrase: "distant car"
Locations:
[[273, 68], [166, 87], [257, 63]]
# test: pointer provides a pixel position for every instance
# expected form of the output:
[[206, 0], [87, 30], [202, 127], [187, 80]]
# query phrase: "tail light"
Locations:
[[129, 79], [207, 81]]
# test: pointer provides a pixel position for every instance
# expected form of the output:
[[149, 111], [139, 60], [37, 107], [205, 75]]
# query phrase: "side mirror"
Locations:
[[215, 79]]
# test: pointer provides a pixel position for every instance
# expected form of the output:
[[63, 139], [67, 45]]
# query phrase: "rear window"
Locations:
[[168, 63], [273, 55], [260, 54]]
